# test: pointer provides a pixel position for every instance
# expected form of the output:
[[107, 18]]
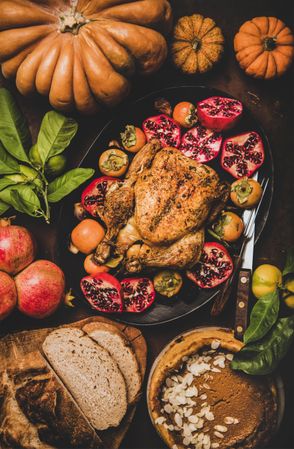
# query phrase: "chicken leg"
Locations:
[[184, 253], [120, 200]]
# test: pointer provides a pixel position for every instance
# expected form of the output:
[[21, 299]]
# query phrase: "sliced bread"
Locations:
[[91, 375], [114, 341]]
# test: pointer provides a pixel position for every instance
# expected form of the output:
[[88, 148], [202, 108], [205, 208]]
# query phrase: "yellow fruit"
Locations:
[[266, 278], [289, 299]]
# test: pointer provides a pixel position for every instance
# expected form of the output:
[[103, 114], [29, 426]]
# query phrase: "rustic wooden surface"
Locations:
[[271, 104]]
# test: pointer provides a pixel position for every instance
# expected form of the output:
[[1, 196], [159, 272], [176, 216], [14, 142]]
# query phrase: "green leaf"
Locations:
[[22, 198], [263, 316], [289, 265], [3, 207], [8, 165], [5, 182], [263, 357], [68, 182], [14, 131], [55, 134]]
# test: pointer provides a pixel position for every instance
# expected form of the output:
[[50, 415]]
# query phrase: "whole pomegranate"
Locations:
[[17, 247], [8, 295], [40, 289]]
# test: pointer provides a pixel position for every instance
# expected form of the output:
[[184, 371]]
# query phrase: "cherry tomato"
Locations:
[[86, 236], [246, 193], [185, 114], [133, 138], [113, 162]]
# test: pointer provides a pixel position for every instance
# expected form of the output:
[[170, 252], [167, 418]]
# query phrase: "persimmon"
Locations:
[[86, 236], [113, 162], [91, 267], [133, 138]]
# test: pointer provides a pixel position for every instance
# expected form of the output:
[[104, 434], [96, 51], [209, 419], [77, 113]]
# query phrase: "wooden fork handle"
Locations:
[[243, 293], [223, 296]]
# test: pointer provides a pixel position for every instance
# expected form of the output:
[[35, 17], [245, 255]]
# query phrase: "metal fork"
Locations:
[[223, 295]]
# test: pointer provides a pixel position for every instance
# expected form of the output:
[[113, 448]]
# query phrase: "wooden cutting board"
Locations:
[[14, 347]]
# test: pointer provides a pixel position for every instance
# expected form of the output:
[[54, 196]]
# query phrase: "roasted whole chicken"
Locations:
[[156, 216]]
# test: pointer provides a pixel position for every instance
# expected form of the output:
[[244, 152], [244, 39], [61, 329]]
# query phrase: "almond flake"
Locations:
[[191, 391], [178, 420], [229, 420], [218, 434], [168, 408], [193, 419], [229, 357], [221, 428], [203, 396], [215, 344], [209, 416], [188, 412], [214, 445], [186, 441], [175, 446], [236, 421], [206, 386], [160, 420]]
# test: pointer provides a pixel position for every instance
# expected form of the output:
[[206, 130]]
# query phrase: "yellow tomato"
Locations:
[[113, 162], [266, 278]]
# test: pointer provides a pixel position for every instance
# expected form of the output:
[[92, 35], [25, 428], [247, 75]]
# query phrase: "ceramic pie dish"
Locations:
[[195, 400]]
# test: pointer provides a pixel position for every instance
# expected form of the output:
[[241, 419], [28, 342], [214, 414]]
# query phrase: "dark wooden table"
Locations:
[[271, 104]]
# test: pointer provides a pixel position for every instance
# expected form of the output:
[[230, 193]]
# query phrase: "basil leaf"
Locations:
[[68, 182], [3, 207], [22, 198], [8, 165], [55, 134], [5, 182], [263, 316], [263, 357], [14, 131], [289, 265]]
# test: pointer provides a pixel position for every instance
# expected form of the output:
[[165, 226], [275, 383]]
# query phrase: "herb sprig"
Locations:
[[24, 184]]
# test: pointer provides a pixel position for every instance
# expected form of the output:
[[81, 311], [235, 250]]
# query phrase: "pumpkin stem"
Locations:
[[196, 43], [72, 20], [270, 43]]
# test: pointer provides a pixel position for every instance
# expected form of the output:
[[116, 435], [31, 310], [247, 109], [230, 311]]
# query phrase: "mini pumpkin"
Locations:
[[81, 53], [197, 44], [264, 47]]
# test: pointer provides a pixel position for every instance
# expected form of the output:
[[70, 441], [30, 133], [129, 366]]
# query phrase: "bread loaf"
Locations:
[[114, 341], [90, 374]]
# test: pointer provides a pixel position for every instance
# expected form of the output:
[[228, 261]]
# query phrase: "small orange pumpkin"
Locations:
[[264, 47], [197, 44]]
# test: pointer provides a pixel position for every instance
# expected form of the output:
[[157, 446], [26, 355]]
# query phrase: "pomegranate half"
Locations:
[[243, 154], [163, 128], [138, 294], [94, 194], [201, 144], [214, 268], [219, 113], [103, 292]]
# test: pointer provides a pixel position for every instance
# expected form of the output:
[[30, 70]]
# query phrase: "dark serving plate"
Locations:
[[190, 297]]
